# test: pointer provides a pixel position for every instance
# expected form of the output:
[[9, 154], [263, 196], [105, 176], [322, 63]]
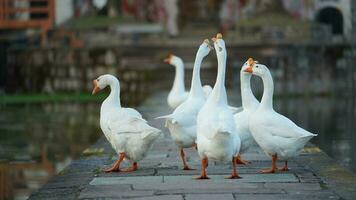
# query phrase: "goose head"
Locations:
[[103, 81], [204, 48], [173, 60], [256, 68], [246, 65], [219, 45]]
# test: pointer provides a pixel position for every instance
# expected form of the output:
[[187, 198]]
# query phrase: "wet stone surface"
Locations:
[[312, 175]]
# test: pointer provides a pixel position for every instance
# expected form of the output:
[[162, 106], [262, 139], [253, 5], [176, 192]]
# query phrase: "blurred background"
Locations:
[[50, 50]]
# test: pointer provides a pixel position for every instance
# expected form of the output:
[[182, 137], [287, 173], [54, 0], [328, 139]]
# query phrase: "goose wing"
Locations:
[[279, 125], [129, 121]]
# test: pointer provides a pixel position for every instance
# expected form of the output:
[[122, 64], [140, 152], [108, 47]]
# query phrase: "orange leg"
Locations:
[[234, 174], [239, 160], [273, 168], [285, 168], [204, 164], [116, 165], [132, 168], [182, 155]]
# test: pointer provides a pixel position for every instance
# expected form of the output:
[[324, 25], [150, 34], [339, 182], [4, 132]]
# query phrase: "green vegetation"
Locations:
[[41, 98], [93, 152], [97, 170], [63, 172]]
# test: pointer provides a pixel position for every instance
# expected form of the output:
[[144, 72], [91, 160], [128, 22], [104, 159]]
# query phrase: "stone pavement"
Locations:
[[313, 175]]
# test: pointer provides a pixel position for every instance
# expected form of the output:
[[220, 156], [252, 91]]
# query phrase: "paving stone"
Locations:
[[126, 180], [55, 194], [160, 176], [160, 197], [313, 196], [253, 178], [294, 186], [212, 170], [139, 172], [209, 196], [112, 191], [222, 190], [68, 181], [203, 184]]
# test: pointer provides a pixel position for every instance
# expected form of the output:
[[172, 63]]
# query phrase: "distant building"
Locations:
[[336, 13], [30, 14]]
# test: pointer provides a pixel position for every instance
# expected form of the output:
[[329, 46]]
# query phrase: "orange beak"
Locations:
[[96, 87], [249, 69], [168, 59]]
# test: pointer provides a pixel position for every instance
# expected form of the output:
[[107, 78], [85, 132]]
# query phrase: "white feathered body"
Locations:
[[182, 122], [175, 98], [127, 131], [242, 120], [216, 133], [277, 134]]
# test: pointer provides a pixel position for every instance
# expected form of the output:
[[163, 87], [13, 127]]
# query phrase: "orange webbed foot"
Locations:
[[111, 169], [242, 162], [285, 167], [130, 169]]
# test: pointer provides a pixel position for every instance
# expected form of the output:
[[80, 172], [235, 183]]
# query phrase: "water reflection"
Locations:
[[39, 140], [332, 118]]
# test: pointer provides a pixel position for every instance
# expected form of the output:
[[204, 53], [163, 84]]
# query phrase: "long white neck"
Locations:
[[248, 99], [178, 85], [219, 91], [196, 88], [114, 97], [267, 98]]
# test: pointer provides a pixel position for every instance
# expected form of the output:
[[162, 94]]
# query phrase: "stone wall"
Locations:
[[346, 68], [297, 69], [72, 70]]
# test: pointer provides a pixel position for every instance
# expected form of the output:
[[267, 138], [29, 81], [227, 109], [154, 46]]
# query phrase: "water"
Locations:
[[38, 140], [333, 119]]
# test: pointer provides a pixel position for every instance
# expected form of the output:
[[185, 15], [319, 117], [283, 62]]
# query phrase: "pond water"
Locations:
[[38, 140]]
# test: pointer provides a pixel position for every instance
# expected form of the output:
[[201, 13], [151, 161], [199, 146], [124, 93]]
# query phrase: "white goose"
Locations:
[[125, 129], [216, 132], [277, 135], [182, 122], [177, 95], [249, 105]]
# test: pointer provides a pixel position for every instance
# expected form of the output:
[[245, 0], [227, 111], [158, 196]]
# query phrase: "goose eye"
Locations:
[[256, 66]]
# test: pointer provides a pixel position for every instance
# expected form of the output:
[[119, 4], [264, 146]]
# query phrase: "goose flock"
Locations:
[[202, 118]]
